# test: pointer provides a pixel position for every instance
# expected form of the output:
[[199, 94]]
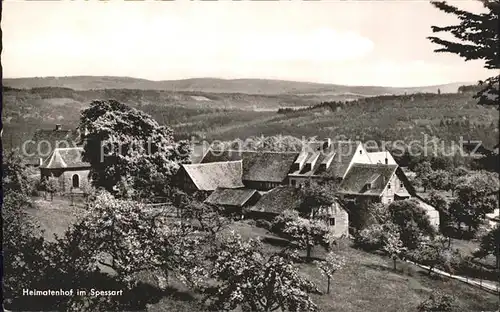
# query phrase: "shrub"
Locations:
[[412, 221], [370, 238], [437, 302], [280, 221], [264, 224]]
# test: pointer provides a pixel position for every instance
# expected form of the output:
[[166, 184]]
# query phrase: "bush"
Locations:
[[468, 266], [437, 302], [280, 221], [264, 224], [412, 221], [452, 261], [370, 238], [36, 187]]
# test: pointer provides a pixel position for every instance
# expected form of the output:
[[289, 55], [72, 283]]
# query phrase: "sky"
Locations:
[[343, 42]]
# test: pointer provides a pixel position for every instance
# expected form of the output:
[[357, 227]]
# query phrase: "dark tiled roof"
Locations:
[[230, 197], [360, 174], [44, 142], [312, 164], [342, 153], [284, 198], [65, 158], [210, 176], [279, 199], [257, 166]]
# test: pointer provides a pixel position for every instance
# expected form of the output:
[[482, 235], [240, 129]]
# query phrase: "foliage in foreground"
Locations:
[[490, 245], [476, 196], [303, 233], [256, 282], [116, 233], [437, 302], [477, 36], [329, 266], [412, 222]]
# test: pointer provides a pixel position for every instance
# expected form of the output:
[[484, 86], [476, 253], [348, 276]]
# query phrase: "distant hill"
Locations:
[[237, 115], [215, 85]]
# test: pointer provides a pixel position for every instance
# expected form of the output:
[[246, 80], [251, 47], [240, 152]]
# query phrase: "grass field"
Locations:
[[54, 217], [367, 283]]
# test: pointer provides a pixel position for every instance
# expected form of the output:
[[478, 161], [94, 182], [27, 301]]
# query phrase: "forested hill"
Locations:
[[446, 116], [214, 85], [221, 116]]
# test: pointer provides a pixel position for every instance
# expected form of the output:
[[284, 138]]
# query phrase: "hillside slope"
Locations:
[[214, 85], [390, 118], [227, 116]]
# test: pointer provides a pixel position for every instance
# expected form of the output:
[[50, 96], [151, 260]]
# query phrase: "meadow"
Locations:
[[366, 283]]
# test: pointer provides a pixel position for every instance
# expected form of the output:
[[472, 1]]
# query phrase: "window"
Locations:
[[76, 181], [294, 182], [331, 221], [389, 186], [360, 151], [401, 185]]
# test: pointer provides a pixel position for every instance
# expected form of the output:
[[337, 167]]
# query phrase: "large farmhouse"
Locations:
[[363, 177], [262, 171]]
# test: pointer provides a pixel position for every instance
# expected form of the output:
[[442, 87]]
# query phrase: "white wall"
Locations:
[[359, 157]]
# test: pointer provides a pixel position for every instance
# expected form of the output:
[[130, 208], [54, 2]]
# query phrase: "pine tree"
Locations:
[[477, 36]]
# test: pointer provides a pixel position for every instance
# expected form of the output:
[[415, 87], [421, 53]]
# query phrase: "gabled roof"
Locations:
[[279, 199], [284, 198], [257, 166], [210, 176], [312, 164], [379, 158], [342, 154], [359, 175], [61, 158], [231, 197], [44, 142]]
